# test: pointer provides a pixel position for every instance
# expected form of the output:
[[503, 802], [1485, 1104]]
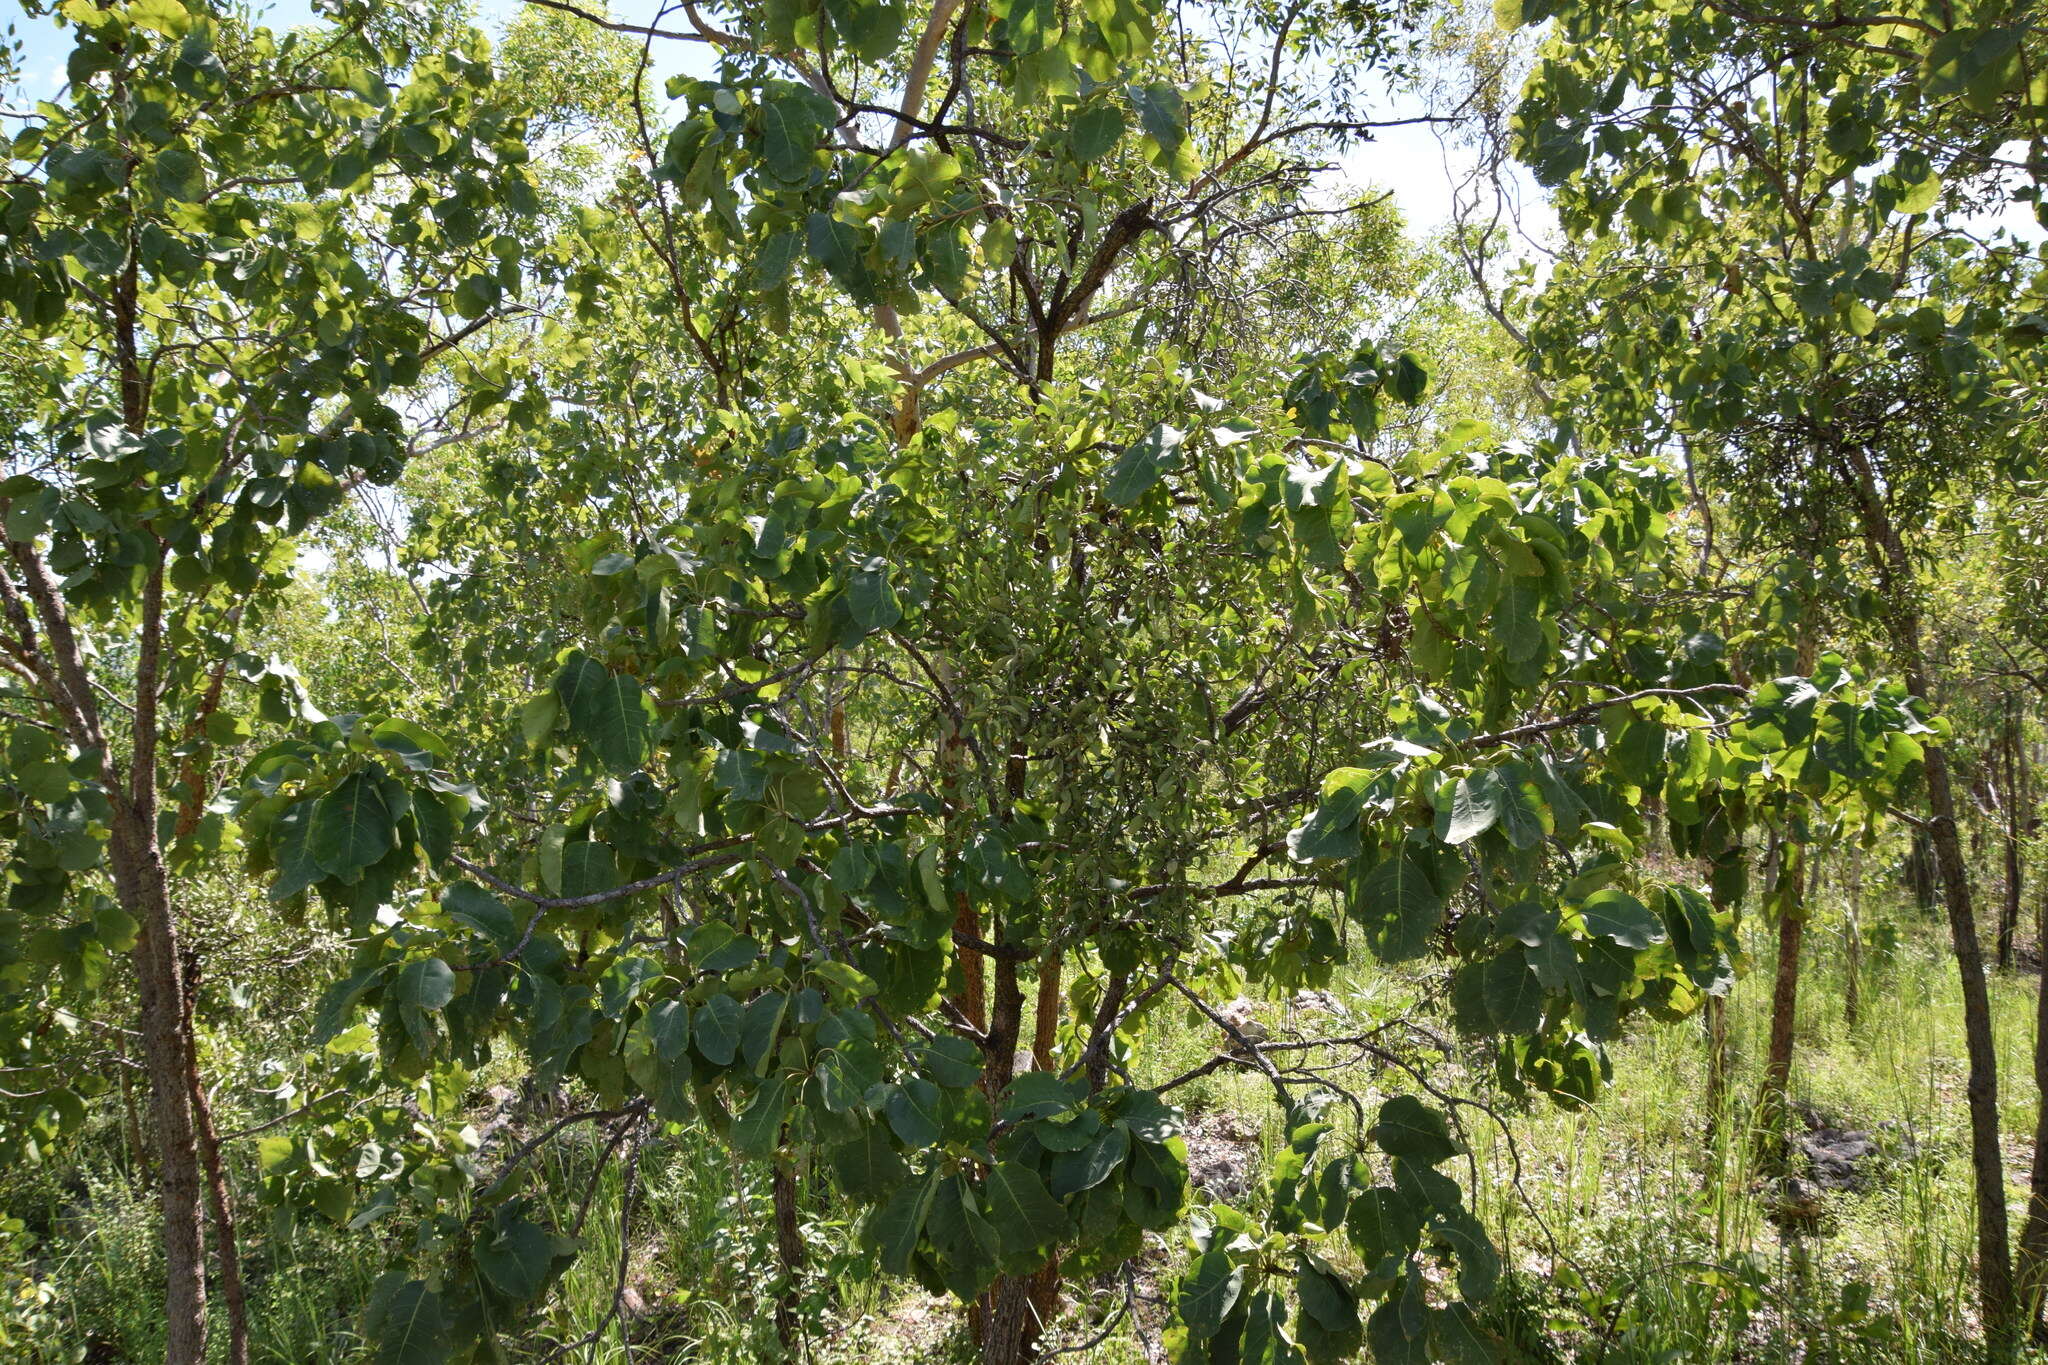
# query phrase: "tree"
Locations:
[[226, 253], [1772, 211], [1026, 653]]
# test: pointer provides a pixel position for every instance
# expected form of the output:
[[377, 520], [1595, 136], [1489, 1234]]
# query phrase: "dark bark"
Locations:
[[1790, 896], [2032, 1272], [142, 882], [1011, 1325], [1010, 1318], [2015, 809], [227, 1250], [789, 1248], [1898, 590], [1852, 936], [1920, 871]]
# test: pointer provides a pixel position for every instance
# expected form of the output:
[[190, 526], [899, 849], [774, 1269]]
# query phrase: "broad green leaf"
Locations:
[[405, 1324], [1614, 914], [1474, 805], [1037, 1094], [1514, 997], [1094, 131], [1143, 463], [1397, 908], [1073, 1172], [668, 1023], [353, 826], [894, 1229], [427, 984], [608, 712], [1412, 1130], [913, 1111], [758, 1127], [1029, 1222], [868, 1167], [870, 598], [717, 1029], [1207, 1292], [517, 1260], [474, 908], [1331, 830]]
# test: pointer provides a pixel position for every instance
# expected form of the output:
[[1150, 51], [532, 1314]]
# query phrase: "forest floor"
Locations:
[[1630, 1235]]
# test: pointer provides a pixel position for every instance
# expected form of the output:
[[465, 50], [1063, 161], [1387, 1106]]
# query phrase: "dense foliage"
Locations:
[[824, 620]]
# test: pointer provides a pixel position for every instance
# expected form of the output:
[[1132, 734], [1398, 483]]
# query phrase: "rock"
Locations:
[[1836, 1157], [1239, 1015], [1800, 1203], [1839, 1157], [1220, 1157]]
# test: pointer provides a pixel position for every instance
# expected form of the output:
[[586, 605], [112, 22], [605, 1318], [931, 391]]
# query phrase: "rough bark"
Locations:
[[1852, 937], [227, 1250], [1010, 1318], [141, 881], [789, 1247], [1791, 904], [2015, 807], [1011, 1327], [2032, 1272], [1046, 1021], [1899, 591]]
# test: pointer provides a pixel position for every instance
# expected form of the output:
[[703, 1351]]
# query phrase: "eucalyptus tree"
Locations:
[[1775, 220], [224, 254]]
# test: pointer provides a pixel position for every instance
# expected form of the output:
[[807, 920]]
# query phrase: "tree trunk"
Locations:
[[1717, 1067], [1046, 1021], [1994, 1260], [1012, 1325], [1790, 895], [142, 882], [1852, 942], [1899, 592], [226, 1249], [789, 1248], [1011, 1316], [2032, 1274], [1920, 870], [2015, 812]]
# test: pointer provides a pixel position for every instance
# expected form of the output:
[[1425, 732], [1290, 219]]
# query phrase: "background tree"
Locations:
[[222, 251], [1784, 219]]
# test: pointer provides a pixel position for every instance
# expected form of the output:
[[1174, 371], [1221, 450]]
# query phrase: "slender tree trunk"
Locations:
[[789, 1248], [1011, 1316], [2032, 1273], [2015, 813], [1994, 1249], [1046, 1017], [1717, 1066], [1045, 1286], [226, 1248], [970, 999], [1725, 876], [1790, 895], [141, 879], [1852, 942], [1994, 1258], [1920, 870]]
